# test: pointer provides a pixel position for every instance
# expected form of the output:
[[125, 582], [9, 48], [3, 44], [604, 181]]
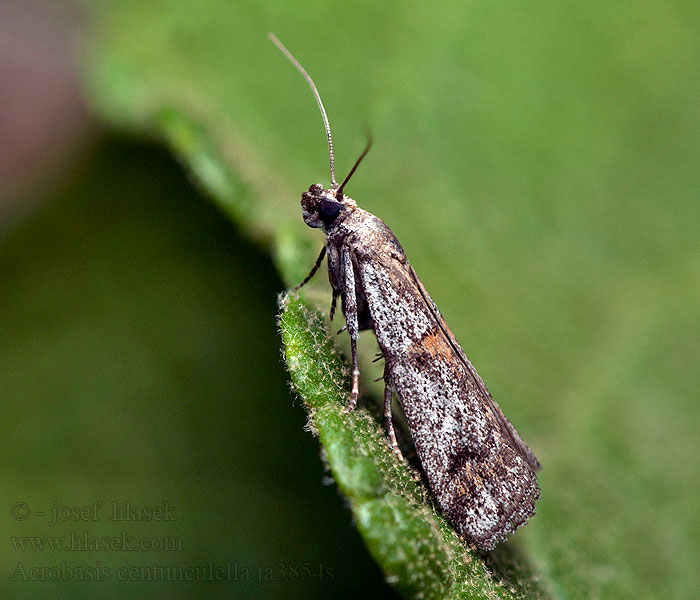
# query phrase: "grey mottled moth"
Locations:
[[479, 469]]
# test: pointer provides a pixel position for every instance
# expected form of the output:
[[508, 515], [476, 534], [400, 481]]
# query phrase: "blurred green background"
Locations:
[[539, 163]]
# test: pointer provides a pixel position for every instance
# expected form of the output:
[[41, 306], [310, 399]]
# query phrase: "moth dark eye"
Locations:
[[328, 210]]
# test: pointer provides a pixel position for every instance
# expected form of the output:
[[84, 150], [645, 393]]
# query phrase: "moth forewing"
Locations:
[[506, 426], [479, 477], [480, 471]]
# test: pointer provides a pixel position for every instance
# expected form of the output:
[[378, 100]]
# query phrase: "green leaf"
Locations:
[[128, 374], [419, 552], [539, 165]]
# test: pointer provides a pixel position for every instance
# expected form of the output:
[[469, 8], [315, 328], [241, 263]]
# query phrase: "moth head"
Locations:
[[322, 208]]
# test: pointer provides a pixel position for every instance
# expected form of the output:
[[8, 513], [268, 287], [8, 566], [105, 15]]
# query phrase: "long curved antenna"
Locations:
[[310, 81], [339, 191]]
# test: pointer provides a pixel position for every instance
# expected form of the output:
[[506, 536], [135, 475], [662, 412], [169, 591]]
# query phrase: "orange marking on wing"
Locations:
[[436, 344]]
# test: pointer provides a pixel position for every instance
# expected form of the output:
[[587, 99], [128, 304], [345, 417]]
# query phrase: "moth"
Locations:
[[478, 468]]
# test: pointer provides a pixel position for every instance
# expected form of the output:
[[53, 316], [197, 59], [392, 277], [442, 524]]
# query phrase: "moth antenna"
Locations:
[[310, 81], [339, 191]]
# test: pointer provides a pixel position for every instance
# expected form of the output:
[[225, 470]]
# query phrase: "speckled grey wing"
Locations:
[[479, 469], [506, 426]]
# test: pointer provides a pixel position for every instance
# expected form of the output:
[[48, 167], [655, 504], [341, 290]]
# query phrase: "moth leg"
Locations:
[[335, 299], [313, 271], [350, 297], [388, 393], [355, 392]]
